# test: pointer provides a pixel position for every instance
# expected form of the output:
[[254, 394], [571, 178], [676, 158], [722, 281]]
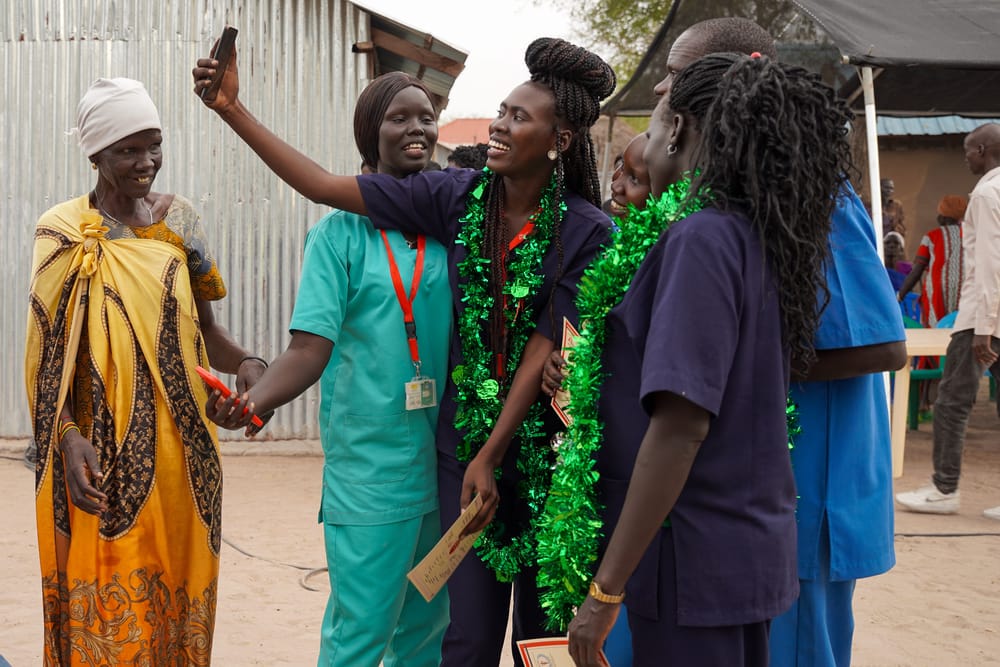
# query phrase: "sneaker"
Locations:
[[928, 500], [992, 513]]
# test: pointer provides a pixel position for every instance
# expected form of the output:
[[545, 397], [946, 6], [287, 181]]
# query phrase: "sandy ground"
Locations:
[[939, 606]]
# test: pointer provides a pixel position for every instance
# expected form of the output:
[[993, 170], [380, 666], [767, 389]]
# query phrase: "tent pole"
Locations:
[[874, 178], [606, 159]]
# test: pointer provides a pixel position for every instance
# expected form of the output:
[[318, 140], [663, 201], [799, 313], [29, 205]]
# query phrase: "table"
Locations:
[[919, 343]]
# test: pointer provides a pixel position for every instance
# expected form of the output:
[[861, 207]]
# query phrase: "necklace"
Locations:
[[481, 389], [569, 528], [100, 207]]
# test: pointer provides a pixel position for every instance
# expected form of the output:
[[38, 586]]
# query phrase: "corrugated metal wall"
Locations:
[[298, 75]]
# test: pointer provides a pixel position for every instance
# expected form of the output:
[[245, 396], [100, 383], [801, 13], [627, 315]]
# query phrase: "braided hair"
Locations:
[[579, 80], [370, 110], [773, 147]]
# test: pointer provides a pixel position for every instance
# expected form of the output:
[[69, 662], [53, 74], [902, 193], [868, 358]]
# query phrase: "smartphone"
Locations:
[[215, 383], [223, 53]]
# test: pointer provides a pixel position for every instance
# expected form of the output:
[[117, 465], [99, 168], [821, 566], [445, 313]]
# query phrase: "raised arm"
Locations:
[[306, 176]]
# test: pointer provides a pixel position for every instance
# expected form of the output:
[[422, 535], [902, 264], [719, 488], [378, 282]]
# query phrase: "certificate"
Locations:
[[432, 573], [548, 652], [561, 400]]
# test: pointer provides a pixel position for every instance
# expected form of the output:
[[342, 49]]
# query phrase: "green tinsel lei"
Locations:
[[480, 395], [792, 420], [570, 527]]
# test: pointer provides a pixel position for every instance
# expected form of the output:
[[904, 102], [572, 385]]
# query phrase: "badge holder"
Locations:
[[421, 392]]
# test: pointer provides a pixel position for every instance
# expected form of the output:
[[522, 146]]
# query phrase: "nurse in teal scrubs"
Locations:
[[372, 322]]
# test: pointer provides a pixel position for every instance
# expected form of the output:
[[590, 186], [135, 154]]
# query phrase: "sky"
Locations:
[[494, 34]]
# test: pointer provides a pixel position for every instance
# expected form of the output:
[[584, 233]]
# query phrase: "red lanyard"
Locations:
[[407, 303], [525, 232], [518, 239]]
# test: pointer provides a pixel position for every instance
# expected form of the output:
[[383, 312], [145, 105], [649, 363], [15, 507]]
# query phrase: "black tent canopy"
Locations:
[[937, 57], [951, 34], [930, 57]]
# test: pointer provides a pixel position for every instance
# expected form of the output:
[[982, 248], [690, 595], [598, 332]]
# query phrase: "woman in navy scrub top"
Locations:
[[698, 360], [541, 166]]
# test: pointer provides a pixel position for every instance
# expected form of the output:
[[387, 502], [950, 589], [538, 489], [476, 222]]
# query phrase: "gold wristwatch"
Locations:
[[599, 595]]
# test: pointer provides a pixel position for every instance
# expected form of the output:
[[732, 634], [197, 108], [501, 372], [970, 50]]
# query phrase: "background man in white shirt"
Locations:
[[975, 345]]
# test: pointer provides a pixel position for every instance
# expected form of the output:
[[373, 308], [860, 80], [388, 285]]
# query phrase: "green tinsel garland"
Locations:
[[480, 396], [571, 525]]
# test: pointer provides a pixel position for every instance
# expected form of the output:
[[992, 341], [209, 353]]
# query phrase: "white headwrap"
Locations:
[[113, 109], [894, 235]]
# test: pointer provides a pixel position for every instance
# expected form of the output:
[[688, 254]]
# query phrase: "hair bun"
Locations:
[[550, 58]]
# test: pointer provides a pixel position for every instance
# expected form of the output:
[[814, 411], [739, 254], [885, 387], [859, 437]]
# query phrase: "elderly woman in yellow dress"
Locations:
[[128, 481]]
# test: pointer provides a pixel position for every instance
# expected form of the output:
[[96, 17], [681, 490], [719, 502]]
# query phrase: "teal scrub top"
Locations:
[[380, 458]]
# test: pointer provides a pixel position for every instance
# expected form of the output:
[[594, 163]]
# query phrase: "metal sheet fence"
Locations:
[[298, 75]]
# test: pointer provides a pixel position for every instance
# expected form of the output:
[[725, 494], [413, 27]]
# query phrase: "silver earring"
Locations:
[[671, 149], [552, 155]]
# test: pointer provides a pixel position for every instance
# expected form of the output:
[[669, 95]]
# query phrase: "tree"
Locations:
[[626, 28], [622, 28]]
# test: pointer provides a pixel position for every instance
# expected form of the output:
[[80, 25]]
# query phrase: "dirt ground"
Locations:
[[939, 606]]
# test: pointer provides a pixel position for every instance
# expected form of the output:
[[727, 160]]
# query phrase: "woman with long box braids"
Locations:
[[700, 348]]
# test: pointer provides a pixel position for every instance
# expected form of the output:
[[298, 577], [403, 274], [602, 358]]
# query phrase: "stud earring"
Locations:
[[93, 165], [671, 149], [552, 155]]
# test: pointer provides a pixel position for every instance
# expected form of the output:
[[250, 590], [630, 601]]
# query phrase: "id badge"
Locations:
[[421, 393]]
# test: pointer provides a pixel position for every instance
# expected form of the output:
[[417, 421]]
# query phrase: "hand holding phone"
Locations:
[[223, 53], [215, 383]]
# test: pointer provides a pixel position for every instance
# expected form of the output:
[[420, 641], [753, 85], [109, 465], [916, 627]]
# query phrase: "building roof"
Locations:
[[398, 47], [465, 131], [891, 126]]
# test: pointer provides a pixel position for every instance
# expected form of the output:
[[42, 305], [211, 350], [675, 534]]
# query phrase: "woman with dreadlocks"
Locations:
[[722, 305], [518, 235]]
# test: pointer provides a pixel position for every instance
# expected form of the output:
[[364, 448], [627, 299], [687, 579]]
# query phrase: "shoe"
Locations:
[[928, 500], [30, 455], [992, 513]]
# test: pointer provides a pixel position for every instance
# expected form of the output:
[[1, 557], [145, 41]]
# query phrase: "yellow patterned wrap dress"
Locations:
[[113, 325]]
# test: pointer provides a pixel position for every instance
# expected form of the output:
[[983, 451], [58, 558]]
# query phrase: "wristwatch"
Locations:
[[599, 595]]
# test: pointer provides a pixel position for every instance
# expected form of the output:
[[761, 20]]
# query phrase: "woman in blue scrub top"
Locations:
[[358, 289], [698, 359], [518, 236]]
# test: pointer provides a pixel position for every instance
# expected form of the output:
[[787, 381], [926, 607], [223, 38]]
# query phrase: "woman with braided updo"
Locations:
[[697, 361], [518, 235]]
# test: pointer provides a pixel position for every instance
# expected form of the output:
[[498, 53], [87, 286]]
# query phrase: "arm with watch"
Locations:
[[676, 430]]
